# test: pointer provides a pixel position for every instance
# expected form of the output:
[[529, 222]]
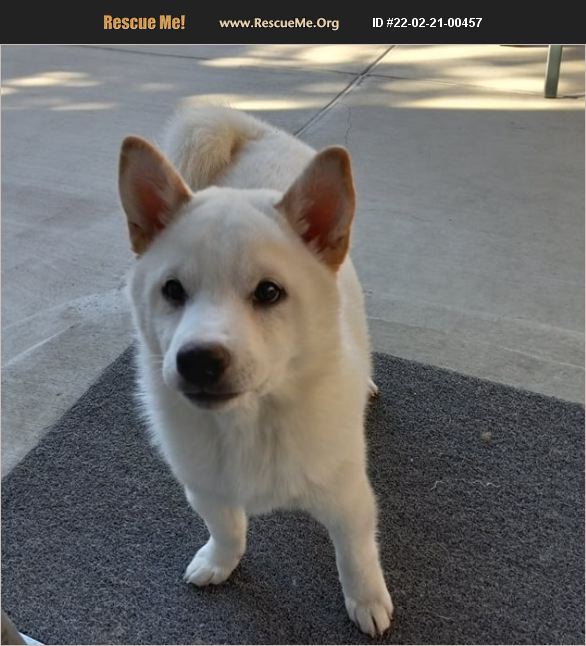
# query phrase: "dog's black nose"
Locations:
[[202, 365]]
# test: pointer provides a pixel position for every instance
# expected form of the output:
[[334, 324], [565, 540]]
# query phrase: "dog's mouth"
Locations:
[[205, 399]]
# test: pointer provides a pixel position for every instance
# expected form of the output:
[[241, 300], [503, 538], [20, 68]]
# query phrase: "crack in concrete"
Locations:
[[355, 82], [348, 126]]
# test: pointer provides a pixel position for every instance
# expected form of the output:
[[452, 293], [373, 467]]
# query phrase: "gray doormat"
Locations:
[[481, 528]]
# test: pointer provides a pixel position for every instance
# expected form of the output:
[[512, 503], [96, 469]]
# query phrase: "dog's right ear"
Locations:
[[151, 191]]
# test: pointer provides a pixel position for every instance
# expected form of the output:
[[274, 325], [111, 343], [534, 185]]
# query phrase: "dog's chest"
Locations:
[[265, 467], [260, 464]]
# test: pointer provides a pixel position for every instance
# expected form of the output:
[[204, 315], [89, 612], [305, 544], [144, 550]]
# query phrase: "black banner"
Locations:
[[182, 23]]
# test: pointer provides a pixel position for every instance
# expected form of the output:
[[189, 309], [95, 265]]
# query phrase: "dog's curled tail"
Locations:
[[201, 142]]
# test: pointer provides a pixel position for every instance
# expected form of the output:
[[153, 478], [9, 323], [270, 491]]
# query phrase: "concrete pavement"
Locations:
[[469, 233]]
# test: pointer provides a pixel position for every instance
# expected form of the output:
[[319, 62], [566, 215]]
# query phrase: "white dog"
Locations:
[[254, 356]]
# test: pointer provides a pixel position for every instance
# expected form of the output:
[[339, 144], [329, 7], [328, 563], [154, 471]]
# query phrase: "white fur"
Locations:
[[294, 438]]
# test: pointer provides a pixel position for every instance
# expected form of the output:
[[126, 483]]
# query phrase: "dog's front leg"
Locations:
[[215, 561], [349, 514]]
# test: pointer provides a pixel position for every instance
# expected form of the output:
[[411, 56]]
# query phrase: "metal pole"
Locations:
[[552, 72]]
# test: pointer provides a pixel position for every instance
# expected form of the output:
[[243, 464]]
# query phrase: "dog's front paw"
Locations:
[[209, 567], [373, 616]]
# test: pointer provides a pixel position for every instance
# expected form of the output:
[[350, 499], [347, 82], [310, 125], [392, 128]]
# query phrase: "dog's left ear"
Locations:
[[320, 205], [151, 191]]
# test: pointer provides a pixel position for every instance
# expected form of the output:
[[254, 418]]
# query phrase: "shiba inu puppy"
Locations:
[[254, 357]]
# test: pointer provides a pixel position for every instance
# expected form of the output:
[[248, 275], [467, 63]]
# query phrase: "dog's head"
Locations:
[[235, 291]]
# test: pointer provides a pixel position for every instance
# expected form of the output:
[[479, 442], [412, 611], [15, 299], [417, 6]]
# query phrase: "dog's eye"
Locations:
[[173, 291], [268, 293]]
